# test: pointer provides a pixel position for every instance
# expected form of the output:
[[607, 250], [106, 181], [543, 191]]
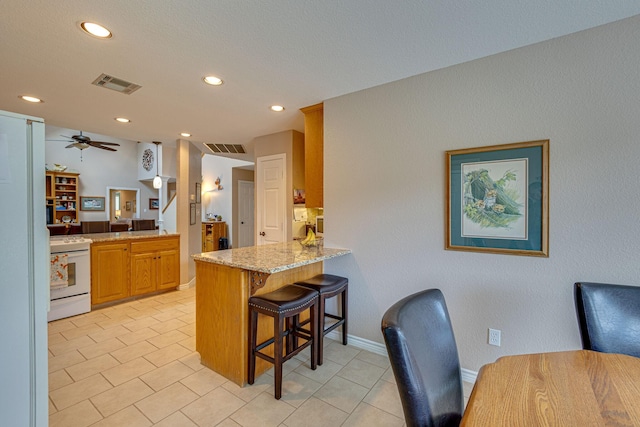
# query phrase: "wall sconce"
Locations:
[[157, 181], [218, 186]]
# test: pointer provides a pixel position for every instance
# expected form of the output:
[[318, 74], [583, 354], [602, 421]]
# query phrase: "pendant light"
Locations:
[[157, 181]]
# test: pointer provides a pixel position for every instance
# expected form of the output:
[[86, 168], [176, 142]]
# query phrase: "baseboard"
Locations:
[[190, 284], [468, 375]]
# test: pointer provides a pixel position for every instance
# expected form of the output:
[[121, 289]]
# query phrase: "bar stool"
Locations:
[[328, 286], [285, 306]]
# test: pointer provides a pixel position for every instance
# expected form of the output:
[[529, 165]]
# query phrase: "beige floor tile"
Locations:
[[264, 410], [368, 416], [140, 323], [127, 371], [361, 372], [388, 376], [189, 343], [78, 391], [92, 367], [177, 419], [190, 329], [384, 395], [71, 345], [118, 398], [137, 336], [203, 381], [229, 423], [79, 415], [188, 318], [316, 413], [213, 407], [128, 417], [339, 353], [101, 348], [52, 408], [106, 334], [59, 379], [262, 384], [56, 338], [166, 375], [193, 361], [342, 393], [374, 359], [133, 351], [61, 325], [64, 360], [169, 314], [168, 338], [81, 331], [89, 318], [297, 388], [165, 402], [167, 354], [167, 326], [322, 374]]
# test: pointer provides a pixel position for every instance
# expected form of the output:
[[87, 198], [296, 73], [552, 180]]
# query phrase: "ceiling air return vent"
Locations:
[[227, 148], [116, 84]]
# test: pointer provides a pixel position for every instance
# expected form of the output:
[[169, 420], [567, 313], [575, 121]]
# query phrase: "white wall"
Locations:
[[219, 202], [385, 187], [100, 169]]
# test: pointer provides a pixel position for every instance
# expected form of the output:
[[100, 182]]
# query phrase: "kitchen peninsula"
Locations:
[[224, 282]]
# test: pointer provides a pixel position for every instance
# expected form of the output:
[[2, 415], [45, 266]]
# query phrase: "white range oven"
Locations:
[[70, 277]]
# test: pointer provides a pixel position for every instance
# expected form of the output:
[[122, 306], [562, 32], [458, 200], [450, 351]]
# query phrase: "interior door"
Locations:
[[270, 212], [246, 213]]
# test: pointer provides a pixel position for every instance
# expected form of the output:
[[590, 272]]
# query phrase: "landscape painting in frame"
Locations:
[[497, 199]]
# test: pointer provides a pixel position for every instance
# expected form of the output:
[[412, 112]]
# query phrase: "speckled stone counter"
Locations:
[[225, 280], [126, 235], [271, 258]]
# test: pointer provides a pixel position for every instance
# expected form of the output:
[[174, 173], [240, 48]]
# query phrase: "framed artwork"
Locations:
[[154, 204], [127, 206], [498, 199], [192, 213], [91, 203], [198, 192], [298, 196]]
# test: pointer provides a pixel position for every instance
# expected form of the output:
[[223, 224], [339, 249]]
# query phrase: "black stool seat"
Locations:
[[285, 306], [328, 286]]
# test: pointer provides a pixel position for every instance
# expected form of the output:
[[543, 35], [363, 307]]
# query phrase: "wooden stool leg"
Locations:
[[253, 332], [278, 325], [320, 329], [317, 339], [344, 315]]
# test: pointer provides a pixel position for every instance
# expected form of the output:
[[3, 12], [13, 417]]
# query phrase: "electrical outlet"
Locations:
[[494, 337]]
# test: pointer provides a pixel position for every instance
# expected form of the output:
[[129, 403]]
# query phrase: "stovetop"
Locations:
[[69, 243]]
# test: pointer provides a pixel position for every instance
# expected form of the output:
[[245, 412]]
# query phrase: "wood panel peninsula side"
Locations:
[[224, 282]]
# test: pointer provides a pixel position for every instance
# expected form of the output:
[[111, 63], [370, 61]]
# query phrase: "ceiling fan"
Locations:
[[82, 141]]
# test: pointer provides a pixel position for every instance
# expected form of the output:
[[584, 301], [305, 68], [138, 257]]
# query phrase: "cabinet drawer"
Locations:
[[159, 244]]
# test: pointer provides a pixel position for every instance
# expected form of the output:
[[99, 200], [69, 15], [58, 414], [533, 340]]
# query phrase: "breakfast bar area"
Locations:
[[225, 280]]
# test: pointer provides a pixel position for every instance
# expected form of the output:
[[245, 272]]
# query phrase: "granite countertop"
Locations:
[[271, 258], [122, 235]]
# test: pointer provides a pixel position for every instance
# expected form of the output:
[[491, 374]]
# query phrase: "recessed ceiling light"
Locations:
[[213, 80], [122, 120], [31, 98], [276, 108], [185, 134], [96, 30]]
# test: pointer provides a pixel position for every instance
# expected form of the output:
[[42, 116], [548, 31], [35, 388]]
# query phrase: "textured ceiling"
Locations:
[[289, 52]]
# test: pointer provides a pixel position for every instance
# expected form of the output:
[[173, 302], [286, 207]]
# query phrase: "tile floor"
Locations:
[[135, 364]]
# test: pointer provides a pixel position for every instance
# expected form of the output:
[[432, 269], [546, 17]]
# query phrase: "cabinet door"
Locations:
[[109, 272], [143, 273], [168, 269]]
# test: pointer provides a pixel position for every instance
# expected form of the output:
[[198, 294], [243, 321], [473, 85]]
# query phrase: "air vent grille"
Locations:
[[227, 148], [116, 84]]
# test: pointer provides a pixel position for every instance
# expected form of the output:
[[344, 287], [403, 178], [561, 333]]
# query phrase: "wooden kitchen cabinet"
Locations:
[[211, 233], [109, 271], [155, 265], [314, 155]]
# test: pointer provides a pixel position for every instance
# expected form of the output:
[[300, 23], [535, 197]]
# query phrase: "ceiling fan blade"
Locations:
[[71, 145], [103, 143], [104, 148]]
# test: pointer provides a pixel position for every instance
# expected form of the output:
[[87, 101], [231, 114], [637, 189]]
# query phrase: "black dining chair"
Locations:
[[143, 224], [424, 358], [94, 227], [609, 317]]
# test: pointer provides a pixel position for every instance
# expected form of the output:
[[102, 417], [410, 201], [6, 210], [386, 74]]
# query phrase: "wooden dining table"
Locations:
[[569, 388]]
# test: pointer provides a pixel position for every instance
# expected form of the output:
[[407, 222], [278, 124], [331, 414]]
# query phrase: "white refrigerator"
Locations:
[[24, 278]]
